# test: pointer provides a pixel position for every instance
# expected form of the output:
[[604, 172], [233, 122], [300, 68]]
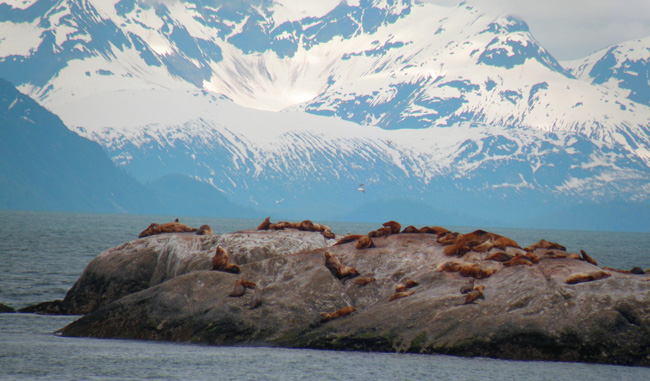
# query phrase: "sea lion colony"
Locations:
[[476, 255]]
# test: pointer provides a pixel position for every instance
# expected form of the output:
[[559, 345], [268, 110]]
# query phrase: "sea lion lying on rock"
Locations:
[[221, 262], [169, 227], [400, 294], [476, 293], [587, 277], [338, 269], [544, 244], [363, 281], [365, 242], [205, 230], [341, 312]]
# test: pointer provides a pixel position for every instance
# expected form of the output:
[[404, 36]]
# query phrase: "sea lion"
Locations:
[[169, 227], [339, 270], [221, 262], [349, 238], [437, 230], [532, 257], [205, 230], [410, 283], [476, 293], [361, 282], [410, 229], [587, 258], [447, 238], [399, 295], [307, 226], [328, 234], [381, 232], [365, 242], [635, 270], [467, 287], [265, 224], [394, 226], [544, 244], [587, 277], [517, 261], [459, 247], [341, 312], [469, 269], [400, 288], [499, 256], [450, 267]]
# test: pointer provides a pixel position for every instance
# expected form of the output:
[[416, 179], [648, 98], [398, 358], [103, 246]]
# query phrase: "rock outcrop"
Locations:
[[521, 304], [4, 309], [146, 262]]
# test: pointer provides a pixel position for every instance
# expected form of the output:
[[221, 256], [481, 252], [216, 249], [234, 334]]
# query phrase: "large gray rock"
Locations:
[[527, 312], [146, 262]]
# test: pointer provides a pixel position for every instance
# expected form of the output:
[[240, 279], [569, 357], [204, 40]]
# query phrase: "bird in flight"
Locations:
[[361, 189]]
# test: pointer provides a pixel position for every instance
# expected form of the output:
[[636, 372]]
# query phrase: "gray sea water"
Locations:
[[43, 253]]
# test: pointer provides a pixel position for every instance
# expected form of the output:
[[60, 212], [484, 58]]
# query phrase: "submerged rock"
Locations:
[[523, 310]]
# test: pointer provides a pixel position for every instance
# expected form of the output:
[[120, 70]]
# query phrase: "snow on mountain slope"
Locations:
[[624, 67], [280, 103]]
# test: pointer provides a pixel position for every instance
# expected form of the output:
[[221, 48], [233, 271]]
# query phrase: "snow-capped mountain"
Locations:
[[624, 67], [288, 105]]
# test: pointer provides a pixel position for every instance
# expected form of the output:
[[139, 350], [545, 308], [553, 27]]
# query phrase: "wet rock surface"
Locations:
[[406, 297]]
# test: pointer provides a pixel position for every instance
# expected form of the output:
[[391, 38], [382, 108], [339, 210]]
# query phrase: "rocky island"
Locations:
[[419, 290]]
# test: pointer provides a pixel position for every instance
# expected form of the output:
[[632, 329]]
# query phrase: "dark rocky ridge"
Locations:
[[162, 288]]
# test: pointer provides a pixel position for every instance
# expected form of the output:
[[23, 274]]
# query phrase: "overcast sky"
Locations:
[[571, 29]]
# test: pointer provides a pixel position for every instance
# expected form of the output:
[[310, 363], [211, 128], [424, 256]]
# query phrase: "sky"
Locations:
[[572, 29]]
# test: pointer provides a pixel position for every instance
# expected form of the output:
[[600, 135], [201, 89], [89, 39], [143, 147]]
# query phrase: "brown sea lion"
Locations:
[[399, 295], [544, 244], [499, 256], [265, 224], [447, 238], [459, 247], [635, 270], [450, 267], [307, 226], [328, 234], [349, 238], [410, 229], [169, 227], [517, 261], [221, 262], [532, 256], [476, 293], [394, 226], [365, 243], [587, 277], [400, 288], [338, 269], [467, 287], [587, 258], [433, 230], [410, 283], [469, 269], [341, 312], [363, 281], [205, 230]]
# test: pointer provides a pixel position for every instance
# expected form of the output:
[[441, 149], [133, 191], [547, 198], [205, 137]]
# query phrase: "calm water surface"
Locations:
[[43, 253]]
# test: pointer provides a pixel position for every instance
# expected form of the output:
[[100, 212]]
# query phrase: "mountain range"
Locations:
[[449, 115]]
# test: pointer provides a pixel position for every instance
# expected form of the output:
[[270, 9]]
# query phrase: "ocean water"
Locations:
[[43, 253]]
